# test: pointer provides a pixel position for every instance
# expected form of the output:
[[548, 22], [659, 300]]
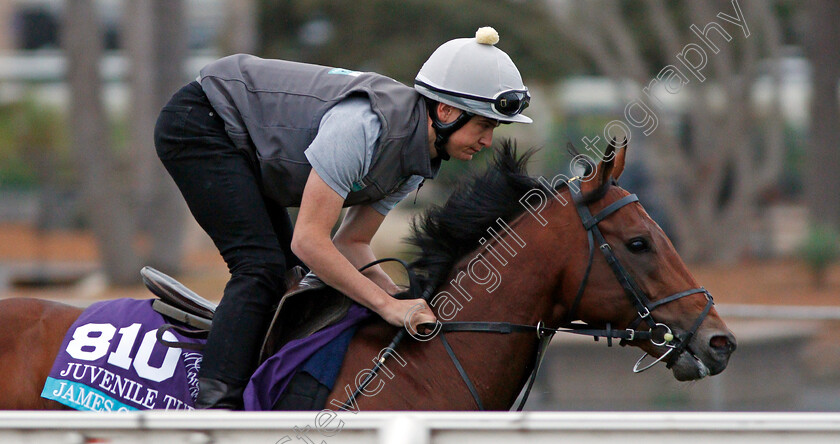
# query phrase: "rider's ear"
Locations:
[[447, 113], [619, 158]]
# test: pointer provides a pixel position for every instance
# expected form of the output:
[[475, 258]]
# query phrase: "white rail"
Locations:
[[786, 312], [207, 427]]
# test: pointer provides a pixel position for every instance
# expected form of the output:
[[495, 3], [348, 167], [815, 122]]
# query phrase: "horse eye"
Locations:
[[638, 245]]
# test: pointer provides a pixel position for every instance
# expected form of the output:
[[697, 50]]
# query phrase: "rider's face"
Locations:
[[468, 140]]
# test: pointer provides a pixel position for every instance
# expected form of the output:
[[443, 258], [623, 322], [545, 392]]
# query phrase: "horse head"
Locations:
[[583, 257], [629, 276]]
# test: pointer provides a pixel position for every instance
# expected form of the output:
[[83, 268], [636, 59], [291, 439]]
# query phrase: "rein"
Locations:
[[659, 334]]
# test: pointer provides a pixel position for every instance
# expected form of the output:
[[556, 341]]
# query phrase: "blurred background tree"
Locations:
[[726, 149], [714, 160], [395, 38], [103, 191], [156, 43], [713, 157], [821, 177], [124, 194]]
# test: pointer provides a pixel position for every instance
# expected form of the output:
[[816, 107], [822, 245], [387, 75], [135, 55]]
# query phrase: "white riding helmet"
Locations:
[[473, 75]]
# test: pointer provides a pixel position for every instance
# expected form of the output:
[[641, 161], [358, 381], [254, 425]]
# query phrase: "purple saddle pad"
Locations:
[[272, 377], [110, 360]]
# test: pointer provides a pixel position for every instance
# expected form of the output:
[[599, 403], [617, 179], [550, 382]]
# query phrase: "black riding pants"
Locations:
[[221, 187]]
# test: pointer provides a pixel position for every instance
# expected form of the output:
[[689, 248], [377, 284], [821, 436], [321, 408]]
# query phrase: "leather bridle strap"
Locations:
[[541, 348], [413, 289], [685, 338], [544, 334], [593, 234], [674, 297], [636, 295], [570, 315], [590, 224], [461, 371], [578, 329], [644, 306]]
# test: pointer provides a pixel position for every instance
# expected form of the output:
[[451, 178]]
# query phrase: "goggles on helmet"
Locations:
[[506, 103], [511, 102]]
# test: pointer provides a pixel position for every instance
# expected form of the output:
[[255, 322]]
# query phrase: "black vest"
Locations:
[[273, 108]]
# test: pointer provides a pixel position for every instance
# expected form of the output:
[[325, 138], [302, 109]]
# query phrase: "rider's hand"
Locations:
[[408, 313]]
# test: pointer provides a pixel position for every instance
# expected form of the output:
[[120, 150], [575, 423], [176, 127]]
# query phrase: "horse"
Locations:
[[506, 262]]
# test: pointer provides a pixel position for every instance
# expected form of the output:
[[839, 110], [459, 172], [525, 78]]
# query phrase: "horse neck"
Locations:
[[515, 275], [513, 278], [509, 278]]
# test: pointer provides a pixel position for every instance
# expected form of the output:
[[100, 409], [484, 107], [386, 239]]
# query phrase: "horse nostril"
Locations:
[[723, 343]]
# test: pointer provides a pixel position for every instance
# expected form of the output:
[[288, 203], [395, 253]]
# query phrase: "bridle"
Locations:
[[658, 333], [644, 306]]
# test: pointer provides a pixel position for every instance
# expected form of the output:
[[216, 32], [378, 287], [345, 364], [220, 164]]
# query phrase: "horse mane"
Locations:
[[446, 233]]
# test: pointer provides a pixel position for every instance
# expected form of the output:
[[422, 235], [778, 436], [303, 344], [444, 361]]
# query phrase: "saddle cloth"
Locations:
[[111, 360]]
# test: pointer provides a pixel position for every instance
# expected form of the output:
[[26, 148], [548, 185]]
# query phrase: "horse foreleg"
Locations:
[[31, 332]]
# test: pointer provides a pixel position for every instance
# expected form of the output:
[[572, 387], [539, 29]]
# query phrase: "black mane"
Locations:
[[447, 233]]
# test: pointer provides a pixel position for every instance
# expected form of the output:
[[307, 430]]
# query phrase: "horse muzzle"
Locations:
[[707, 354]]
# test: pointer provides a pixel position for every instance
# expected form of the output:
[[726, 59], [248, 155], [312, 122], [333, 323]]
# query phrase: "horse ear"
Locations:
[[603, 171], [619, 159], [607, 166]]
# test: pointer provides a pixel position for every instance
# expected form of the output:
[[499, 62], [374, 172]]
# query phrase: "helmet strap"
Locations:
[[444, 130]]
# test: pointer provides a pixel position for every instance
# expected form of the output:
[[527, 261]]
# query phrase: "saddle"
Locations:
[[308, 306]]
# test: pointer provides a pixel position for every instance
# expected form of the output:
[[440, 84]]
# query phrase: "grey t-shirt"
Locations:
[[343, 148]]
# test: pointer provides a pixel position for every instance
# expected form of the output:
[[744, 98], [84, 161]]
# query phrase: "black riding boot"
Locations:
[[216, 394]]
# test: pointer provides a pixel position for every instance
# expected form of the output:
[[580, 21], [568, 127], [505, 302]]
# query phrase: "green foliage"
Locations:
[[35, 145], [395, 38], [819, 250], [33, 142]]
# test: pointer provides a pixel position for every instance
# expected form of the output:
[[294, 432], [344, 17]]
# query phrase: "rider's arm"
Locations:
[[319, 209], [353, 241]]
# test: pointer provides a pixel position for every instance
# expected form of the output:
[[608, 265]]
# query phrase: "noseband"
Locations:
[[658, 333]]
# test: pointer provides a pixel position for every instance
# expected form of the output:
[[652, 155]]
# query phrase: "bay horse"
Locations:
[[505, 248]]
